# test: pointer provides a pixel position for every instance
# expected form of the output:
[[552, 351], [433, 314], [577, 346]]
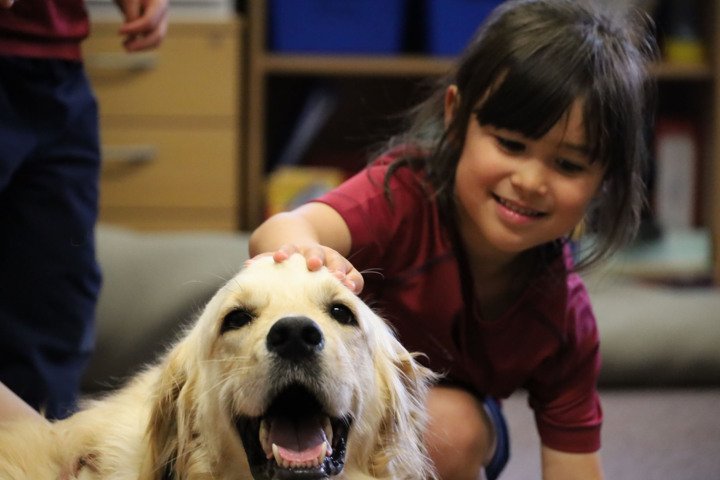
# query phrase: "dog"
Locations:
[[285, 374]]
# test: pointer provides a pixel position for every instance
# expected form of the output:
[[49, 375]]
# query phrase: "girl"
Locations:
[[463, 227]]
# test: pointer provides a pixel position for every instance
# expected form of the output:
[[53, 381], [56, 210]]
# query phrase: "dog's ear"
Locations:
[[171, 416], [405, 383]]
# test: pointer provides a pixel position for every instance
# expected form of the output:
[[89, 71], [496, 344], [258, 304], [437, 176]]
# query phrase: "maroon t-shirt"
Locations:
[[44, 29], [547, 342]]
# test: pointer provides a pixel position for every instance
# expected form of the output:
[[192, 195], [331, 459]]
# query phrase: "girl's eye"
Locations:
[[511, 146], [568, 166]]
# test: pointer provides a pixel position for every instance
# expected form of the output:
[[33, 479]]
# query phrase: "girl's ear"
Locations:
[[452, 100]]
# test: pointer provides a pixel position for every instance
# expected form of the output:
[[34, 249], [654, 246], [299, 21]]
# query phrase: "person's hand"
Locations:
[[146, 23], [6, 3], [318, 256]]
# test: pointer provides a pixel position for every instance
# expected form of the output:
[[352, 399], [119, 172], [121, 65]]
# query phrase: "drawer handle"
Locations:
[[128, 154], [122, 61]]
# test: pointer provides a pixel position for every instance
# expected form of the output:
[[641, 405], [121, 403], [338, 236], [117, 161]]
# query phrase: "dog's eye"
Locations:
[[235, 319], [342, 314]]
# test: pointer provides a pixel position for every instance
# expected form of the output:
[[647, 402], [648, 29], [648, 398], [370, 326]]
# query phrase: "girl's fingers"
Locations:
[[285, 252], [347, 274], [354, 281], [317, 256]]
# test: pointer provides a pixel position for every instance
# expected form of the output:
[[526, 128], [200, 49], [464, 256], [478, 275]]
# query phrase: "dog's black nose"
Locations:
[[295, 338]]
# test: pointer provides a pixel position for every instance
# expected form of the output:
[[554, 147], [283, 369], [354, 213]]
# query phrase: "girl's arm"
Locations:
[[13, 407], [316, 231], [557, 465]]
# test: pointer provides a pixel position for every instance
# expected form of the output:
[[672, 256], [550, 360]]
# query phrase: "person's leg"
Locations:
[[462, 437], [49, 280]]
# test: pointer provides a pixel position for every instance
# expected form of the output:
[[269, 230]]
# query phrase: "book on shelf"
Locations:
[[676, 193]]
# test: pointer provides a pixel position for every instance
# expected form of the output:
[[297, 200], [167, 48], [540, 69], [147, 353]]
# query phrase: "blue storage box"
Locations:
[[451, 23], [337, 26]]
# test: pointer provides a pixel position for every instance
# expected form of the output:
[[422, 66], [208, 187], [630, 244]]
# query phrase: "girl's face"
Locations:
[[513, 192]]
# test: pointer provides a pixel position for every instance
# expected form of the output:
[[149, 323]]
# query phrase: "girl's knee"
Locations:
[[460, 437]]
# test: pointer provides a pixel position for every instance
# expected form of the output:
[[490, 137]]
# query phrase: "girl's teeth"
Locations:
[[516, 209]]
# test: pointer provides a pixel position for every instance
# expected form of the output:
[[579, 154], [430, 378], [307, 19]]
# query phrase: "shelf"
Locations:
[[418, 66], [682, 72], [356, 65]]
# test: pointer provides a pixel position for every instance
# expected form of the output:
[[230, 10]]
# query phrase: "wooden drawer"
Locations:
[[171, 218], [194, 72], [171, 167]]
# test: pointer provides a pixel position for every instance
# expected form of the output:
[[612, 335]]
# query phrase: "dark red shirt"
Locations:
[[44, 29], [547, 342]]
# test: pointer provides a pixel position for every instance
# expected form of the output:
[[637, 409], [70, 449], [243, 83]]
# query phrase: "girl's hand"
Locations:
[[318, 256], [6, 3]]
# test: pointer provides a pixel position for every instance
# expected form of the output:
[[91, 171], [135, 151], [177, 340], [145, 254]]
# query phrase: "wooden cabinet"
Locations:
[[695, 87], [170, 127]]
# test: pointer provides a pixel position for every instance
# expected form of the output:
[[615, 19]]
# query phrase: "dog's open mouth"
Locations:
[[295, 438]]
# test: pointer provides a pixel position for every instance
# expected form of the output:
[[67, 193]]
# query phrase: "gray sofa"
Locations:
[[660, 382], [153, 285]]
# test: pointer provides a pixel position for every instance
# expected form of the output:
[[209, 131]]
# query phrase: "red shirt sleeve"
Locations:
[[563, 390], [382, 226], [362, 204]]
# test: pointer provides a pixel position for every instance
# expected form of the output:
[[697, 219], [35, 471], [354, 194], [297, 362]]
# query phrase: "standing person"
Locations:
[[49, 167], [464, 224]]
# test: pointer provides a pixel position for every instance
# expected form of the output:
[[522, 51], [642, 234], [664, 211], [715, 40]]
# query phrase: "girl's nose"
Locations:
[[530, 178]]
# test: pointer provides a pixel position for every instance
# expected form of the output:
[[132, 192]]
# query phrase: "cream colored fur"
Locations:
[[178, 416]]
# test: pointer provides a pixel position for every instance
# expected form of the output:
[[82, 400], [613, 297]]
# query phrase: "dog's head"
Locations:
[[291, 368]]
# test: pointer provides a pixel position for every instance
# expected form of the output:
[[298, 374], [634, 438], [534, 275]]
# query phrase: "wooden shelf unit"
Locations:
[[702, 80]]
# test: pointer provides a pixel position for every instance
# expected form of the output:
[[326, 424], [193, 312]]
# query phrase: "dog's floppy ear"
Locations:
[[405, 383], [172, 416]]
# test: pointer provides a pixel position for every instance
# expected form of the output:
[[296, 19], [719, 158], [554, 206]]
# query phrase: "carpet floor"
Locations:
[[647, 434]]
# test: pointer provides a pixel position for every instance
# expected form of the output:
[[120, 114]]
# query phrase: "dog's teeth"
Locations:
[[328, 452], [265, 439], [276, 454], [328, 430]]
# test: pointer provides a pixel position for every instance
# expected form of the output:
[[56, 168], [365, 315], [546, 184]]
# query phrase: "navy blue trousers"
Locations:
[[49, 277]]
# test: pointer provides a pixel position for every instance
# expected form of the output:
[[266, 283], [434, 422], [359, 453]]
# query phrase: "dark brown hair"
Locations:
[[528, 62]]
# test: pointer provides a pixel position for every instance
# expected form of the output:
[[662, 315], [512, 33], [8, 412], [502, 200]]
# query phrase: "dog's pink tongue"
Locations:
[[299, 440]]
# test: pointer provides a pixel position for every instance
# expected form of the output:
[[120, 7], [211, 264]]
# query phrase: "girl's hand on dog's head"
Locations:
[[318, 256]]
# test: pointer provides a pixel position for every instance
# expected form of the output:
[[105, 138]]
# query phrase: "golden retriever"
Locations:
[[285, 375]]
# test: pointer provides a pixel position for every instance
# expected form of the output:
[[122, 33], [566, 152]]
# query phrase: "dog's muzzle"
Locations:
[[295, 438]]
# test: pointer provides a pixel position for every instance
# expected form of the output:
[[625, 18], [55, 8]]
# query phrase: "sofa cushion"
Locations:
[[656, 335], [152, 285], [156, 282]]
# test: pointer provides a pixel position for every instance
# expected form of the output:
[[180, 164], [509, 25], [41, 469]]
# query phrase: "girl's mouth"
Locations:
[[517, 208]]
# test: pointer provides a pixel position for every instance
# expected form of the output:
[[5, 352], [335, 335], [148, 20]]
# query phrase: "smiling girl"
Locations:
[[463, 227]]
